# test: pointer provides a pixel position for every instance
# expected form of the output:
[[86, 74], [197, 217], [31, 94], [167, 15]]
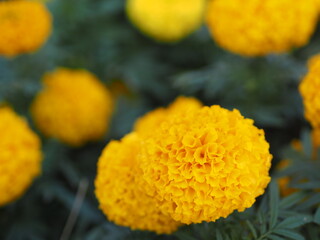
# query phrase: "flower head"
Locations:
[[118, 189], [255, 27], [151, 120], [25, 26], [74, 106], [309, 89], [19, 147], [166, 20], [204, 164]]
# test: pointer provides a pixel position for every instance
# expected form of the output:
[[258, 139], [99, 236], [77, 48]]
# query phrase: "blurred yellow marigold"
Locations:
[[313, 61], [74, 106], [20, 156], [25, 26], [118, 189], [146, 124], [309, 89], [166, 20], [205, 164], [255, 27]]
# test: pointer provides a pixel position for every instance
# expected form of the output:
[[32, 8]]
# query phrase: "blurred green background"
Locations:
[[144, 74]]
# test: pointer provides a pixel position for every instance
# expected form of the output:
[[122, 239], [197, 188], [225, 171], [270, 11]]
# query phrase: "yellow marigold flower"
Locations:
[[166, 20], [153, 119], [205, 164], [313, 61], [309, 89], [118, 189], [20, 156], [74, 106], [256, 28], [25, 26]]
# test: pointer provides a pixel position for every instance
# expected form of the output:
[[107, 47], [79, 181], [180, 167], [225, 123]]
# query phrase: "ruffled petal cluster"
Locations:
[[182, 105], [255, 27], [119, 189], [74, 106], [20, 156], [196, 163], [166, 20], [25, 26], [204, 164]]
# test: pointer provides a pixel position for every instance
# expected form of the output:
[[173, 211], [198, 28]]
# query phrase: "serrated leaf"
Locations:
[[262, 223], [312, 232], [218, 235], [313, 200], [289, 234], [307, 143], [275, 237], [312, 185], [295, 221], [184, 236], [252, 229], [273, 203], [287, 213], [292, 199], [317, 216], [294, 168]]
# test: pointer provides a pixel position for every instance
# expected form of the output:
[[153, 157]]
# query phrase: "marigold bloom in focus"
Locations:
[[118, 189], [74, 106], [153, 119], [205, 164], [256, 28], [25, 26], [20, 156], [166, 20]]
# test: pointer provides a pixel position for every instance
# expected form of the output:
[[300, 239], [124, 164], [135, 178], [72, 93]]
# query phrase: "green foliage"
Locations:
[[96, 35]]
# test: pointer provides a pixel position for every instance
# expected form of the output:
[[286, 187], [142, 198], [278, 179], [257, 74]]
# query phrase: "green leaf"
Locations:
[[317, 216], [218, 235], [275, 237], [273, 203], [313, 200], [262, 223], [312, 232], [292, 199], [184, 236], [312, 185], [287, 213], [295, 221], [289, 234], [252, 229], [307, 143]]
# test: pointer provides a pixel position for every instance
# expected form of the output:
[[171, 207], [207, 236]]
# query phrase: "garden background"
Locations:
[[143, 74]]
